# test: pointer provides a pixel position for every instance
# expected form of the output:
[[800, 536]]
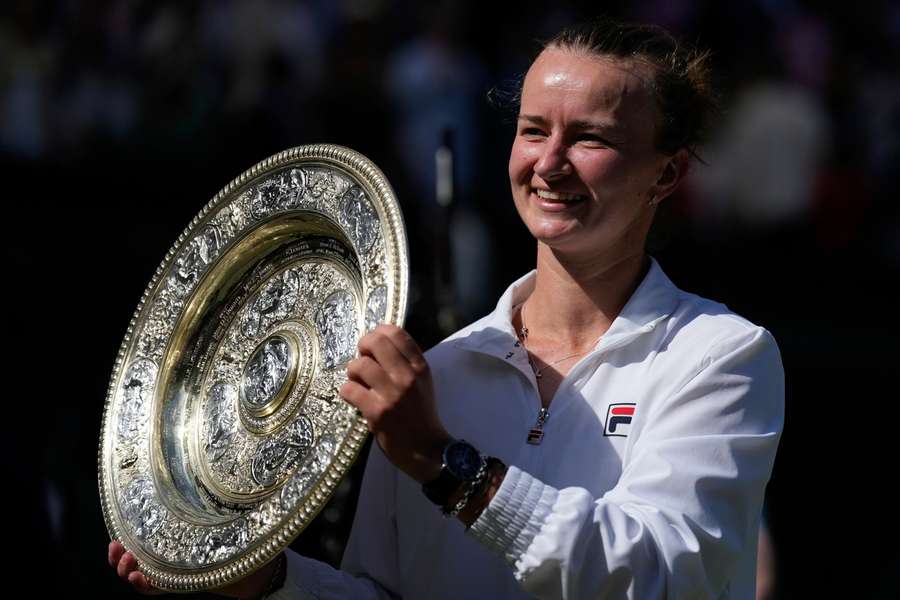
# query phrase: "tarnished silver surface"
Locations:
[[223, 432]]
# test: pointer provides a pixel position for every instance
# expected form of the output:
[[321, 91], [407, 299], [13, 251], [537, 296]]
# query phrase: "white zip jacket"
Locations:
[[648, 483]]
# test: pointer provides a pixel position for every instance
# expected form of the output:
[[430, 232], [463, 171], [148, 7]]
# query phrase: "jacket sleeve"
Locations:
[[686, 507], [369, 568]]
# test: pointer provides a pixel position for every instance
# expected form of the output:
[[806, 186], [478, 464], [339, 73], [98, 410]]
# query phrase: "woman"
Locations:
[[634, 425]]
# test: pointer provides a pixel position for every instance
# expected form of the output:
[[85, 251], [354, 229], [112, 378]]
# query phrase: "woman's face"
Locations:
[[583, 165]]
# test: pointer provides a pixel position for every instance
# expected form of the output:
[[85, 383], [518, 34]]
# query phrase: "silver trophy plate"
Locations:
[[223, 432]]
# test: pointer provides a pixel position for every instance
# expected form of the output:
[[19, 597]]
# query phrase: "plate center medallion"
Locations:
[[269, 375]]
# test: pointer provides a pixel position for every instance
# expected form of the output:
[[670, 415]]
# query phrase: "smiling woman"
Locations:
[[584, 167], [608, 119], [619, 444]]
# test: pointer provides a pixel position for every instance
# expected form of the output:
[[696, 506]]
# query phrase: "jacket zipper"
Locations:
[[536, 433]]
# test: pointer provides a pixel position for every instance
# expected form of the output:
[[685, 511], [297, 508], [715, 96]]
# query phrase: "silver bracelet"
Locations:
[[470, 488]]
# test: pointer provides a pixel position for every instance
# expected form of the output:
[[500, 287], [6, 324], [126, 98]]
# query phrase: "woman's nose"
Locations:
[[554, 160]]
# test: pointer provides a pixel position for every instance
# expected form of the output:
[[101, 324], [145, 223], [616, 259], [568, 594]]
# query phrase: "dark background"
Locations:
[[119, 120]]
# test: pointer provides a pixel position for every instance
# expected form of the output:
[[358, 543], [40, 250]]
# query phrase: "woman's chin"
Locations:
[[557, 235]]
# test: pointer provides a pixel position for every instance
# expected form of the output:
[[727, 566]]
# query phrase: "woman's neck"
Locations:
[[575, 301]]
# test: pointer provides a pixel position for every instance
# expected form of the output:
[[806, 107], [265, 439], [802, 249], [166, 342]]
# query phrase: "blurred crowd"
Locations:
[[800, 170], [813, 94]]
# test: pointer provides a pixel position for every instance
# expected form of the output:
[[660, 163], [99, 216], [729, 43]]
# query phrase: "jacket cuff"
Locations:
[[514, 515]]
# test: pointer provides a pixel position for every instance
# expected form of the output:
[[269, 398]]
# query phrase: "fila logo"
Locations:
[[618, 419]]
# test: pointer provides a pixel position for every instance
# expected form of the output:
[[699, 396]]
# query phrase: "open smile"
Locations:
[[557, 201]]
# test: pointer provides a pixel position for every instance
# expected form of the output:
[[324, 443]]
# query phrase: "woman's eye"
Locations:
[[592, 139], [532, 131]]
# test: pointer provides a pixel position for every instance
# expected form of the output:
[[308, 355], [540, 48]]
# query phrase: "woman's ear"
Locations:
[[673, 172]]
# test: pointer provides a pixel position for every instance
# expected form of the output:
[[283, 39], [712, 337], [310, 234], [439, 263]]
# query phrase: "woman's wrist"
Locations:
[[478, 503]]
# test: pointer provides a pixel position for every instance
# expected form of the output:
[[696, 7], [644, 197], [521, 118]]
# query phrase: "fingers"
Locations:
[[355, 393], [116, 550], [387, 374], [396, 353], [404, 343], [365, 400], [140, 583], [126, 567], [367, 372], [127, 564], [380, 347]]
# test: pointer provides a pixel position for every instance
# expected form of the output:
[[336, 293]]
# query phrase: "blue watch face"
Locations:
[[462, 460]]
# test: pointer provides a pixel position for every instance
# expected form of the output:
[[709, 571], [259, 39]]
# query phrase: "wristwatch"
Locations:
[[461, 462]]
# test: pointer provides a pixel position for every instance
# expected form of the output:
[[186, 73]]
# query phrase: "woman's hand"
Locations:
[[125, 565], [251, 586], [390, 384]]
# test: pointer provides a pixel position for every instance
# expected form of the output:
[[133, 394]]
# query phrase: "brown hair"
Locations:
[[681, 83]]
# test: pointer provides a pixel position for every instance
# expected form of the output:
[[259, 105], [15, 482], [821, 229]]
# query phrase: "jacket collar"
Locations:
[[652, 302]]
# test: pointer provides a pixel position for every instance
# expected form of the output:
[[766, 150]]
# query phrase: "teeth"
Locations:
[[547, 195]]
